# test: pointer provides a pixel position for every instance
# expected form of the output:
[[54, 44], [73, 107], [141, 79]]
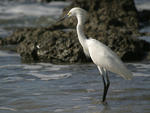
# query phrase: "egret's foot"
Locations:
[[99, 102], [105, 103]]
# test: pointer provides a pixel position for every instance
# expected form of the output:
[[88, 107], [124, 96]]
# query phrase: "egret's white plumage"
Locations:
[[101, 55], [104, 57]]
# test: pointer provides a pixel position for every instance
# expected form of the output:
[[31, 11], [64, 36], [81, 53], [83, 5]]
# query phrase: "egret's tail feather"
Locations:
[[128, 76], [125, 73]]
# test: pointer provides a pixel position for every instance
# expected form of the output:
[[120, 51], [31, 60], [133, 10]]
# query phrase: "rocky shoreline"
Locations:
[[113, 22]]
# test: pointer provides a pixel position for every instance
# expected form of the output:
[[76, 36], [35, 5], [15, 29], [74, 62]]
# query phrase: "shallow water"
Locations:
[[16, 14], [49, 88]]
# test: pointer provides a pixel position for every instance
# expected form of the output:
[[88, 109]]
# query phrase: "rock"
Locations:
[[144, 16], [52, 46], [45, 45], [18, 36], [113, 22], [105, 14]]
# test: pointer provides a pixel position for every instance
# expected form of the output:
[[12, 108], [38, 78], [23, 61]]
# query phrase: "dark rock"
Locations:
[[18, 36], [52, 46], [144, 16], [104, 14]]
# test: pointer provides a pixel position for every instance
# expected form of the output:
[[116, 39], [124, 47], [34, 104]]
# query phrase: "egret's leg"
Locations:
[[105, 89], [108, 82], [103, 72]]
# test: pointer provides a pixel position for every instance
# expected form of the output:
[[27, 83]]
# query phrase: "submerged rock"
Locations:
[[113, 22]]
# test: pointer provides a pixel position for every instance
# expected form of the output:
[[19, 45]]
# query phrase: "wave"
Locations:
[[50, 77], [140, 69], [143, 6], [6, 108], [12, 79], [8, 53], [17, 10]]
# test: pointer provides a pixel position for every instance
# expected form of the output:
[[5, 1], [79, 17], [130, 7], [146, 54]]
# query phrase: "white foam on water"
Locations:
[[11, 65], [52, 69], [53, 65], [146, 38], [37, 94], [32, 67], [143, 6], [145, 29], [141, 74], [141, 69], [50, 77], [14, 65], [6, 108], [12, 79], [31, 10], [76, 107], [45, 64], [30, 79], [6, 53], [59, 110], [90, 90], [17, 10], [140, 65]]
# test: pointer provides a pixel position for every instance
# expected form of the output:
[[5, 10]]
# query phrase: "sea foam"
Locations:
[[51, 76]]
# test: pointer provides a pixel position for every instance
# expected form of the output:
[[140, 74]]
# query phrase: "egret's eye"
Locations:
[[69, 13]]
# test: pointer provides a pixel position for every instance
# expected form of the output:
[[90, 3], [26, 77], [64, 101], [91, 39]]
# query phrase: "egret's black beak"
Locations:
[[63, 18]]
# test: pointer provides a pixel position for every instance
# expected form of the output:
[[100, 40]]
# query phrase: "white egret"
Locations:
[[101, 55]]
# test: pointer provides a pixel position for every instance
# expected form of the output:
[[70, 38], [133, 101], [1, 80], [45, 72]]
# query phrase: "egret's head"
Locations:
[[78, 12]]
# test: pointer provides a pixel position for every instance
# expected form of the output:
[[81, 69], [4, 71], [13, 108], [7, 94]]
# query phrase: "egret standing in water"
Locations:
[[101, 55]]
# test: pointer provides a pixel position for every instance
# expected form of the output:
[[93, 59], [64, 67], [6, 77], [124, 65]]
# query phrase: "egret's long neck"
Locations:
[[81, 36]]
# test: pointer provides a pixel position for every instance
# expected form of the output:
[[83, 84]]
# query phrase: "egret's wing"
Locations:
[[106, 58]]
